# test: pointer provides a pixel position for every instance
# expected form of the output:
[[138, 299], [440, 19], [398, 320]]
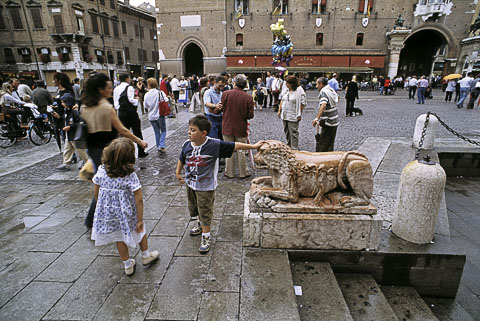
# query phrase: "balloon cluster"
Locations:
[[282, 47]]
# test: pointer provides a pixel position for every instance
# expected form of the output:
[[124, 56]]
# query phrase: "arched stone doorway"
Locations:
[[193, 59], [419, 52]]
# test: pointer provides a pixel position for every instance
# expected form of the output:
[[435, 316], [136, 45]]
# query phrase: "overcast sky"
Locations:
[[137, 2]]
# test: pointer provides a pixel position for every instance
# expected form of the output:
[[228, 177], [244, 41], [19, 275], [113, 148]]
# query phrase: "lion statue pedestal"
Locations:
[[311, 201]]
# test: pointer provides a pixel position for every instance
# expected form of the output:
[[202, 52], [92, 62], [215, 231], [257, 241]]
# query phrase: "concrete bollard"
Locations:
[[418, 201], [429, 141]]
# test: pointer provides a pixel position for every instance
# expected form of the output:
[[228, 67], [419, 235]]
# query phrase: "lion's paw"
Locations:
[[265, 201]]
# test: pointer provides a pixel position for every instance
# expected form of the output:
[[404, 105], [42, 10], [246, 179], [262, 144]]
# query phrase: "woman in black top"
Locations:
[[350, 96], [141, 93]]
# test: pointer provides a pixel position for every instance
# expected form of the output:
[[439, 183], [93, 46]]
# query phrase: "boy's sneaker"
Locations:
[[152, 258], [130, 270], [197, 230], [205, 246]]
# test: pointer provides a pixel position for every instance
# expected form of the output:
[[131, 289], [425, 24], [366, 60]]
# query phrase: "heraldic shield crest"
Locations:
[[318, 22], [241, 22], [365, 22]]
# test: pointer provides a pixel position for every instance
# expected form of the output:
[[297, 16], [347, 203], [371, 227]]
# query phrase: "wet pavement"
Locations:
[[50, 270]]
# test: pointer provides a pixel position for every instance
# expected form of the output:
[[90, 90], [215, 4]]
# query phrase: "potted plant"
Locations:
[[45, 58], [64, 58]]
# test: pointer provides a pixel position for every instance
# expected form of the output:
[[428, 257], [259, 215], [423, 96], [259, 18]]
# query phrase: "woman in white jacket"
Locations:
[[150, 102], [290, 110]]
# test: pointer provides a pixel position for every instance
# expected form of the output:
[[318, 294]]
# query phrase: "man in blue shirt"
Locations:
[[213, 107], [270, 79], [334, 83]]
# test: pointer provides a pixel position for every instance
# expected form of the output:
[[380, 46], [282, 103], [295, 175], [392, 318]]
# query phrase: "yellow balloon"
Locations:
[[280, 21], [284, 32], [272, 26]]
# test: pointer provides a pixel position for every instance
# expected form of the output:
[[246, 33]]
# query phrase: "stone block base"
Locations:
[[310, 231]]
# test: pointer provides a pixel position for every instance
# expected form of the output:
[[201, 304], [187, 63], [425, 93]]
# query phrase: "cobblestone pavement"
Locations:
[[49, 269]]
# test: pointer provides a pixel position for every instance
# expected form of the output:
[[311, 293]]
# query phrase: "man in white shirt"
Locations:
[[175, 87], [126, 106], [464, 89], [412, 87], [24, 89]]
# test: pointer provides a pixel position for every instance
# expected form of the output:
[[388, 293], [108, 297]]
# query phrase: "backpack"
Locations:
[[125, 104]]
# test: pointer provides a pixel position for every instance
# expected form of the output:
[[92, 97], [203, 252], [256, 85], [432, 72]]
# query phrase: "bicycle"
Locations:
[[39, 130]]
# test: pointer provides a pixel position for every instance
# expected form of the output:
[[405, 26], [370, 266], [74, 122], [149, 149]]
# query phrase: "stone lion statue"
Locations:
[[296, 174]]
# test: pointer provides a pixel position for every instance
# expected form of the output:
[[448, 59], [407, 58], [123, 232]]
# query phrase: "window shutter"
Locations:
[[37, 18], [361, 5], [314, 1], [16, 19], [323, 2], [94, 23], [370, 5], [57, 20]]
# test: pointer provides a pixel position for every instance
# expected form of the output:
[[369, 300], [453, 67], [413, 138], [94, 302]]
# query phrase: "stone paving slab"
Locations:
[[189, 245], [173, 222], [225, 268], [267, 287], [231, 229], [154, 273], [20, 273], [71, 264], [364, 298], [14, 248], [89, 292], [321, 298], [219, 306], [179, 295], [34, 301], [407, 304], [129, 302], [64, 238]]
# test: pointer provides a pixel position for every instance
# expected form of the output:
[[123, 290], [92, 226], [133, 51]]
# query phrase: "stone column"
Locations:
[[396, 43]]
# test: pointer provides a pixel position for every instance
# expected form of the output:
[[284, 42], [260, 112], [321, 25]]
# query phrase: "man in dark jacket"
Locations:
[[237, 107], [41, 97]]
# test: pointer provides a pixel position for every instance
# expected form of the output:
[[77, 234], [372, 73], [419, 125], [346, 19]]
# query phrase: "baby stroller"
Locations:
[[428, 93], [259, 95]]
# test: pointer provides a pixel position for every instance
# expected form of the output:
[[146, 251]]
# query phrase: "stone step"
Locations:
[[321, 298], [407, 303], [364, 298], [267, 287]]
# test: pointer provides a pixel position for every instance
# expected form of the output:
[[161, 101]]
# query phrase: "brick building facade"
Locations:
[[349, 36], [75, 37]]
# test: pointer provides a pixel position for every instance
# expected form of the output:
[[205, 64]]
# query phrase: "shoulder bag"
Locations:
[[163, 108], [80, 135]]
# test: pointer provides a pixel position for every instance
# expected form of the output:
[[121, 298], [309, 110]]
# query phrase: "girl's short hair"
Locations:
[[152, 83], [118, 157]]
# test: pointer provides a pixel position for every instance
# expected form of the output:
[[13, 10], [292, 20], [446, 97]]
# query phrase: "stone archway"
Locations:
[[193, 59], [418, 53]]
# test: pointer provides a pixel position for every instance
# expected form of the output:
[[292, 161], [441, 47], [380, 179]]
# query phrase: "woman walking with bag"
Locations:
[[153, 99], [290, 111]]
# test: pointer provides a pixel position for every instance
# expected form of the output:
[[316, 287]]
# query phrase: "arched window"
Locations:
[[360, 39], [239, 39], [319, 39]]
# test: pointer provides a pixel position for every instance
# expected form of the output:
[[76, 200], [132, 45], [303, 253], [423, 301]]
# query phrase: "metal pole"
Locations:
[[155, 46], [31, 42], [142, 68]]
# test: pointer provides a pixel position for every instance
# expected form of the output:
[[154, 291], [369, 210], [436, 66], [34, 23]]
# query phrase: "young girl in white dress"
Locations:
[[119, 212]]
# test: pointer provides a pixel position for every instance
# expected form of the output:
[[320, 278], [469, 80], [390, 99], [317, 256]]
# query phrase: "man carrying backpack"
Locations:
[[126, 106]]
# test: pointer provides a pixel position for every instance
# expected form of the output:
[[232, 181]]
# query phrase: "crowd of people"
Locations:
[[111, 109]]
